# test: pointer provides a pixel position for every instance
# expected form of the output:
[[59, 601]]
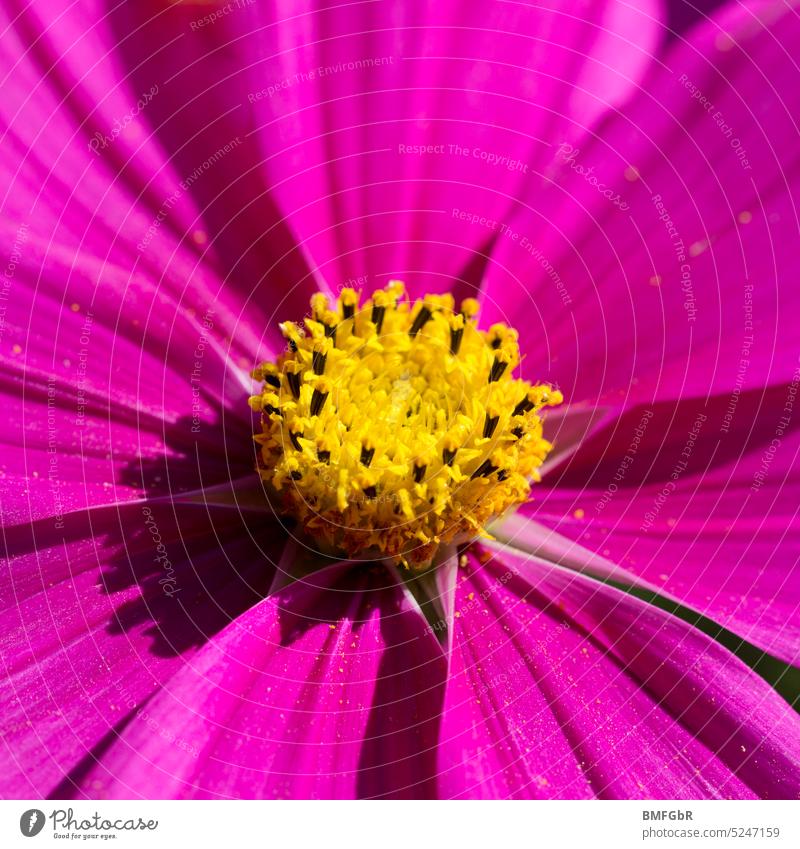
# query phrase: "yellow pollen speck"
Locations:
[[745, 217], [75, 307], [16, 349], [697, 248], [390, 427], [199, 237], [579, 513]]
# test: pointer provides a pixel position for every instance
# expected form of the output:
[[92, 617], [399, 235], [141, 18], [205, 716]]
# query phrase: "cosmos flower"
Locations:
[[178, 183]]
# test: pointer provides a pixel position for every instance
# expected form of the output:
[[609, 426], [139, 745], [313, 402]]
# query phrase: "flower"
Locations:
[[628, 205], [426, 436]]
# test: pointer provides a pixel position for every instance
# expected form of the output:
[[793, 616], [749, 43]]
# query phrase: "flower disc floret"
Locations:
[[389, 427]]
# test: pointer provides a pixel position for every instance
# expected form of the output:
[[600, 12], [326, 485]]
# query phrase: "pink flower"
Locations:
[[180, 179]]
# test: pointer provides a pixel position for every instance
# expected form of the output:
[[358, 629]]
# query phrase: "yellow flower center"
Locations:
[[389, 428]]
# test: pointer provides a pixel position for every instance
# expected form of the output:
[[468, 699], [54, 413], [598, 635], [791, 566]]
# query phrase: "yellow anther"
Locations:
[[456, 321], [319, 354], [295, 434], [348, 301], [440, 302], [545, 396], [319, 395], [451, 441], [291, 332], [553, 398], [293, 377], [381, 298], [325, 446], [319, 305], [396, 289], [456, 332], [501, 335], [421, 465], [470, 308], [382, 446], [269, 373]]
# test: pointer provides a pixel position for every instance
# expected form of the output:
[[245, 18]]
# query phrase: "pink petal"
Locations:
[[96, 618], [120, 349], [561, 687], [122, 136], [344, 97], [681, 278], [323, 691], [101, 406], [714, 526]]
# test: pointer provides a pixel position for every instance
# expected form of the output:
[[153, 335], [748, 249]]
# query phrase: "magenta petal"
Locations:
[[105, 292], [723, 540], [106, 375], [561, 687], [383, 124], [319, 692], [659, 259], [95, 619], [109, 150]]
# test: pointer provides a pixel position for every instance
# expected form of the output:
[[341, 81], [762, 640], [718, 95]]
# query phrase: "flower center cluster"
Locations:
[[390, 427]]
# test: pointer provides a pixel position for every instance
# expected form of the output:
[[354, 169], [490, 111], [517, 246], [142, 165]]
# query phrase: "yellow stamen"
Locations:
[[389, 428]]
